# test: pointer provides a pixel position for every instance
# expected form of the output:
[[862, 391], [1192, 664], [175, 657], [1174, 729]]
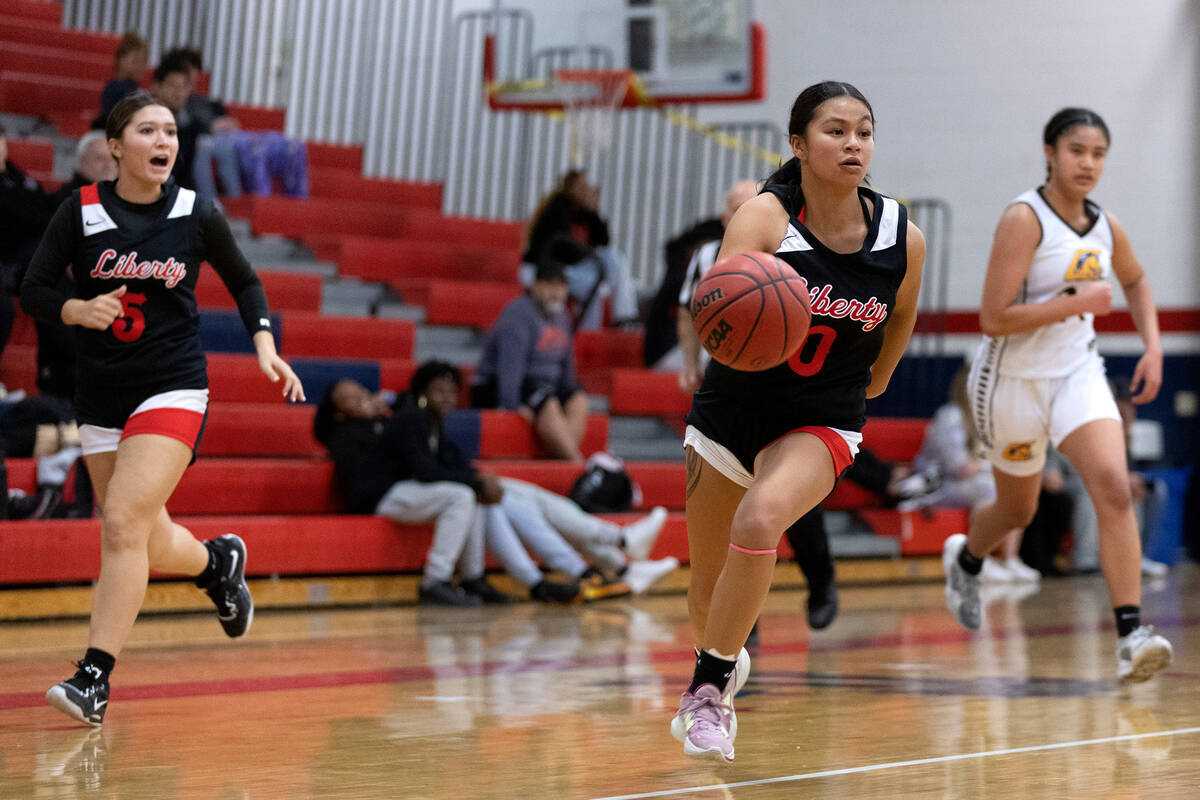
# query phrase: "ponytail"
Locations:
[[784, 183]]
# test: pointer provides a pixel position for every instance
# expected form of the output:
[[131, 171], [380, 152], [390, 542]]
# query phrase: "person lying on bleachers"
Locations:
[[528, 365], [356, 427], [567, 226]]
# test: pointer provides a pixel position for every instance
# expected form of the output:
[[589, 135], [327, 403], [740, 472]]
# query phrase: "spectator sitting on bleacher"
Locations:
[[171, 87], [244, 160], [129, 62], [350, 421], [24, 213], [568, 227], [528, 365], [216, 144], [692, 358], [404, 468], [94, 163], [659, 345]]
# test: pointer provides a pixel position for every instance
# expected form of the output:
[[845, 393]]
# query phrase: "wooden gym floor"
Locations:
[[529, 701]]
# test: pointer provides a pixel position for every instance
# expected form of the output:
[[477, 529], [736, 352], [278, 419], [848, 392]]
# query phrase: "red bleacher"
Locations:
[[50, 34], [57, 61], [313, 334], [351, 184], [381, 259], [288, 216], [286, 291], [256, 118], [472, 303], [34, 10], [341, 156]]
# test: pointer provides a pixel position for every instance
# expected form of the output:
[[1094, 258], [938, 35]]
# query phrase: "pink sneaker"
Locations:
[[704, 724]]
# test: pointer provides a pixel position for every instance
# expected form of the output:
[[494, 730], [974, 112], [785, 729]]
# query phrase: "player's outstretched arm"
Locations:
[[903, 317], [275, 367], [758, 226]]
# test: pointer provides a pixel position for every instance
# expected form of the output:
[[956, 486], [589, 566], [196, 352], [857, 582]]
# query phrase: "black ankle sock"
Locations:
[[101, 660], [970, 564], [211, 570], [1129, 619], [710, 669]]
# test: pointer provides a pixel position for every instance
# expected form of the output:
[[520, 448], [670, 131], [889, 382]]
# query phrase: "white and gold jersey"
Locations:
[[1064, 258]]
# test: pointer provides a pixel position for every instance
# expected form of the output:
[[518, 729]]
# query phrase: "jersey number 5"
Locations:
[[130, 326], [808, 360]]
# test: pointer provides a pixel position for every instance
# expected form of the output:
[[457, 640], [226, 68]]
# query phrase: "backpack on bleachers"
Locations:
[[604, 487]]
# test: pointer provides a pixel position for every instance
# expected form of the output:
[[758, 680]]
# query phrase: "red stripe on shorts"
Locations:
[[833, 442], [176, 423]]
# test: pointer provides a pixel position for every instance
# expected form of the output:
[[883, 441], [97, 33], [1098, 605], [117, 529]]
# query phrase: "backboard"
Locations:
[[680, 51]]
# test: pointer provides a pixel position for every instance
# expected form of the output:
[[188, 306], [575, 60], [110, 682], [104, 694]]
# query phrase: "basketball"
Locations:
[[751, 311]]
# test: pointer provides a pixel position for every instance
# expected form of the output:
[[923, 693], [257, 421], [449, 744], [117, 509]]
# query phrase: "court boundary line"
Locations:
[[894, 764]]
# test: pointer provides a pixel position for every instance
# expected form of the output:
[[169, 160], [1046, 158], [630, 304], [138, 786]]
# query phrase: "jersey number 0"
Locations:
[[811, 356]]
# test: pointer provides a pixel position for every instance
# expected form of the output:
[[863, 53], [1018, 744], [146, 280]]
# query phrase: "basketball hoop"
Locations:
[[591, 98]]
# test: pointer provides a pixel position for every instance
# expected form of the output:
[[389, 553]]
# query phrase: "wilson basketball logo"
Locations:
[[1085, 266], [701, 303], [1019, 451]]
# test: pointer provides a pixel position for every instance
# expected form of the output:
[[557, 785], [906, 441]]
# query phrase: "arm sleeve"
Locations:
[[221, 251], [514, 344], [40, 294], [406, 437]]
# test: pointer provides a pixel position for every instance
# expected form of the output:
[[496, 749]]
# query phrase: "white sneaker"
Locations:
[[962, 590], [1141, 654], [1155, 569], [641, 575], [641, 535], [995, 572], [1022, 572]]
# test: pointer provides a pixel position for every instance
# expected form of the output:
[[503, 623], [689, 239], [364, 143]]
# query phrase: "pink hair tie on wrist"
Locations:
[[740, 549]]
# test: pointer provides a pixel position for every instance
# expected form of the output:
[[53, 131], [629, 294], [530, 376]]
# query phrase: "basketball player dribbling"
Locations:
[[1037, 377], [135, 247], [762, 448]]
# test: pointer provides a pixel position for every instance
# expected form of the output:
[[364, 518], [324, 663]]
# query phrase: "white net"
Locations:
[[590, 102]]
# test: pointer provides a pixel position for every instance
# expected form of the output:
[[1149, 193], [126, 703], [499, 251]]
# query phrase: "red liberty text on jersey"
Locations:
[[170, 272], [870, 312]]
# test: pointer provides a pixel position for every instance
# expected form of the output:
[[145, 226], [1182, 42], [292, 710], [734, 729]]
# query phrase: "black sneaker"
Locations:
[[545, 591], [822, 606], [83, 697], [235, 606], [489, 594], [445, 593]]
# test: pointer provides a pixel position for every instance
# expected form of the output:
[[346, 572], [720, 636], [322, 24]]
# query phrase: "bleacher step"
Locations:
[[350, 297], [309, 266], [394, 309]]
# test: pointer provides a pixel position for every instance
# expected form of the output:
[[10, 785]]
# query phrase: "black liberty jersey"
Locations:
[[155, 250], [852, 296]]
